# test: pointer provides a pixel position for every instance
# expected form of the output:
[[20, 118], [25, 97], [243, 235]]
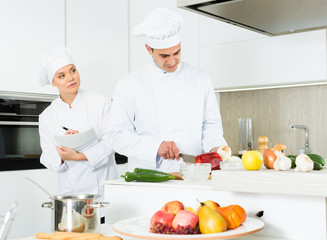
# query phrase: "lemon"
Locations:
[[252, 160]]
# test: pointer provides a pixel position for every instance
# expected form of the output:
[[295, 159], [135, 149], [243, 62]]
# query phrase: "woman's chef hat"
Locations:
[[161, 28], [52, 62]]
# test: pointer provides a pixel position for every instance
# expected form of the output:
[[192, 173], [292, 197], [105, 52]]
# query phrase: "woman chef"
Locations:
[[166, 106], [78, 172]]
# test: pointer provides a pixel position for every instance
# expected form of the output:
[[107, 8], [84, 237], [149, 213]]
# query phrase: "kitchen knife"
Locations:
[[187, 157]]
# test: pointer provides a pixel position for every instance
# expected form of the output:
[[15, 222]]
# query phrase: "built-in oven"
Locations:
[[19, 135]]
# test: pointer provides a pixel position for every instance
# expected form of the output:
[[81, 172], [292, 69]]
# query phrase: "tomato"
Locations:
[[269, 157]]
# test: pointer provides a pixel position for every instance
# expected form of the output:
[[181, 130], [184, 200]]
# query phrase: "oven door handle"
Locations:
[[8, 123]]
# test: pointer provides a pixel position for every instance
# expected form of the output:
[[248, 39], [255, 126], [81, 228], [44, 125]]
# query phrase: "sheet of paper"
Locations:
[[78, 141]]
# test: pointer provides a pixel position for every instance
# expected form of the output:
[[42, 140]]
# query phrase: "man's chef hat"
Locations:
[[161, 28], [52, 62]]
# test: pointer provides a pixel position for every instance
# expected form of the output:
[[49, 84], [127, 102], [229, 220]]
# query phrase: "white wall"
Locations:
[[97, 35], [28, 29]]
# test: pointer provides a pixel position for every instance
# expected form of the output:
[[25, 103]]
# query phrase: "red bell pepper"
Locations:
[[210, 157]]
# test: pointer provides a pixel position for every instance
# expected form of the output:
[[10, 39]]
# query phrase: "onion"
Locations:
[[269, 158]]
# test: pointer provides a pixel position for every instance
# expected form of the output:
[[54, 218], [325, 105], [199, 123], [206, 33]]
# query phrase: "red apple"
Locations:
[[173, 207], [162, 217], [184, 218]]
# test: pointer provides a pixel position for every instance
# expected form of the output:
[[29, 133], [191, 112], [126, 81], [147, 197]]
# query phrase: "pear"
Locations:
[[210, 204], [210, 221]]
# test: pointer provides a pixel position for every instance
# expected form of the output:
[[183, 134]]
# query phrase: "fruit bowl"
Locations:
[[139, 228], [195, 171]]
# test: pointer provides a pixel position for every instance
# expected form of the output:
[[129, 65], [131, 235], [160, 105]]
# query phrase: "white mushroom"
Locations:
[[303, 163]]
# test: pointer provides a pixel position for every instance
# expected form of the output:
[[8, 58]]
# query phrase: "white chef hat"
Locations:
[[161, 28], [51, 62]]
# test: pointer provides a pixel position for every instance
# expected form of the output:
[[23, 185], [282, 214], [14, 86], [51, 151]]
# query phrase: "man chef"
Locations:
[[166, 107]]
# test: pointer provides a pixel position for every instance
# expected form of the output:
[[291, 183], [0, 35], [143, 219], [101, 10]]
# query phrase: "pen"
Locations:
[[64, 128]]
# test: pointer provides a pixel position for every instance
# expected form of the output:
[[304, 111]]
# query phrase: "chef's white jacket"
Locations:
[[88, 110], [151, 106]]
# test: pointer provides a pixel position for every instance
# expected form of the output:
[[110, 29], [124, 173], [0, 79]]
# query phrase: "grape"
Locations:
[[164, 228]]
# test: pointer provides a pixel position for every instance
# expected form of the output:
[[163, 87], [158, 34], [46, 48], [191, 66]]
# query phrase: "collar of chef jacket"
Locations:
[[77, 99], [156, 69]]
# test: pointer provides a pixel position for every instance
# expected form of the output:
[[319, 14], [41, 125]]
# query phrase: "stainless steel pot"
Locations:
[[75, 213]]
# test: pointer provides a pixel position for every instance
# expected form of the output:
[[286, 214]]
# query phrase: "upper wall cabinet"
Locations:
[[139, 9], [292, 59], [97, 35], [28, 29]]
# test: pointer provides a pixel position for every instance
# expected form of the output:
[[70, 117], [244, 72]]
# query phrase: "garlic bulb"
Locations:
[[303, 163], [232, 163], [224, 152], [282, 163]]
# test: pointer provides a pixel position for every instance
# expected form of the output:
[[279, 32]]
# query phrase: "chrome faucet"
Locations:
[[306, 148]]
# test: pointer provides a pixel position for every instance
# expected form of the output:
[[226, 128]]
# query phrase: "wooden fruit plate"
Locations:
[[139, 228]]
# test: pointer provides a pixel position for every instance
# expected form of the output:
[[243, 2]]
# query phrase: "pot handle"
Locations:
[[47, 205], [97, 205]]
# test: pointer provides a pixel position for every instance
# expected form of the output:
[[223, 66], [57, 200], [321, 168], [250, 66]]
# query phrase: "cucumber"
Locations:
[[317, 166], [292, 157], [317, 158]]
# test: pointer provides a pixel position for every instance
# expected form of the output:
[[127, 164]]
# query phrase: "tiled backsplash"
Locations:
[[274, 111]]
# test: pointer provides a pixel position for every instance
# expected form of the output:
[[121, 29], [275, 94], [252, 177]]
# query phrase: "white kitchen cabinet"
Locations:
[[28, 29], [139, 9], [274, 61], [293, 203], [97, 35], [30, 217]]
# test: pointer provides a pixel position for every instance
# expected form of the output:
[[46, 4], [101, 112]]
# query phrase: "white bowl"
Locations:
[[195, 171]]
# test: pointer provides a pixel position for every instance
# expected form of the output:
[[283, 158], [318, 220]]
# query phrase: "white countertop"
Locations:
[[107, 230], [262, 181]]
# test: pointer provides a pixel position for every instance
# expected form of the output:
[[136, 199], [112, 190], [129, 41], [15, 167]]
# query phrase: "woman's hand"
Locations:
[[66, 153], [71, 131], [168, 150]]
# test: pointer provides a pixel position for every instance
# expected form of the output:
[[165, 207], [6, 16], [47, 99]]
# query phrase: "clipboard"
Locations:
[[78, 141]]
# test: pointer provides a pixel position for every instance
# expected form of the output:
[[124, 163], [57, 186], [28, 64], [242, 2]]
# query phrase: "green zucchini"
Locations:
[[147, 177], [317, 158]]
